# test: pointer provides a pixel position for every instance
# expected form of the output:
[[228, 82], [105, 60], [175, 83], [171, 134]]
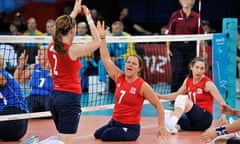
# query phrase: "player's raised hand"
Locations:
[[85, 10], [102, 30], [77, 9]]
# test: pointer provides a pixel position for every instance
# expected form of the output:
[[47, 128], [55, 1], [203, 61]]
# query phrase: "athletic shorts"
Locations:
[[65, 108], [196, 119], [13, 130]]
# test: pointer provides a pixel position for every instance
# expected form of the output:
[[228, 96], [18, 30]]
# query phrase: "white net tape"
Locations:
[[79, 39]]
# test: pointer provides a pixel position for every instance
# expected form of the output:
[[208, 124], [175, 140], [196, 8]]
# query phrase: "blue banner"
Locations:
[[220, 62]]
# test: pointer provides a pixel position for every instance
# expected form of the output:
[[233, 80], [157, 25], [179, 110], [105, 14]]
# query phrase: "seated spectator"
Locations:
[[10, 56], [82, 29], [40, 80], [32, 48], [20, 22], [11, 102], [129, 26], [49, 30]]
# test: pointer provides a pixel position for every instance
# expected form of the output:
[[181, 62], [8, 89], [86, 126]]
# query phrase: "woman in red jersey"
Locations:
[[64, 57], [194, 98], [130, 92]]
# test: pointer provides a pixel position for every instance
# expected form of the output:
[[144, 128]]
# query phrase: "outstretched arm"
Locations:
[[212, 133], [20, 74], [212, 89], [111, 68], [79, 50], [149, 94], [77, 9], [173, 95]]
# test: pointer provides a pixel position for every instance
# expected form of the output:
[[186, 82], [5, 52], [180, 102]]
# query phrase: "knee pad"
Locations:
[[181, 101]]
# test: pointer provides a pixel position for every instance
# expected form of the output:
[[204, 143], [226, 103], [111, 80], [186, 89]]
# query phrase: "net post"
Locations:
[[229, 28]]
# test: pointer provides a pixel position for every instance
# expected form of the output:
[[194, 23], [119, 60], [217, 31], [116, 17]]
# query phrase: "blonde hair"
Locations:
[[193, 2], [2, 61]]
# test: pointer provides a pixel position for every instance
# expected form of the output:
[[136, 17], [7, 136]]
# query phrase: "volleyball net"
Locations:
[[98, 88]]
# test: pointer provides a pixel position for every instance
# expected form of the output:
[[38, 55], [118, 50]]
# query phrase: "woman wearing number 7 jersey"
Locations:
[[64, 58], [130, 92]]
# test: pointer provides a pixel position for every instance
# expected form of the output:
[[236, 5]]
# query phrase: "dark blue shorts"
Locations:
[[65, 108], [196, 119], [116, 131]]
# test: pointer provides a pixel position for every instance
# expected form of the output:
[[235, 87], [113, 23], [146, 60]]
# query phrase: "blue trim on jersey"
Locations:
[[41, 82], [11, 94]]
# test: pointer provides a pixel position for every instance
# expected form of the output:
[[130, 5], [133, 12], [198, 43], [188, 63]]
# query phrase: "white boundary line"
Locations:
[[48, 114]]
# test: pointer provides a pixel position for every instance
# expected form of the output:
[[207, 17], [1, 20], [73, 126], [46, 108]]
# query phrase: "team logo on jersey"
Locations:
[[199, 91], [118, 84], [132, 90]]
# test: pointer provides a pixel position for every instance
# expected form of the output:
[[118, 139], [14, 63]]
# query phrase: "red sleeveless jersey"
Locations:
[[197, 94], [65, 72], [128, 101]]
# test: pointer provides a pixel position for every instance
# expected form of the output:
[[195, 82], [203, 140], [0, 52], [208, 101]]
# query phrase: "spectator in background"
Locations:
[[11, 102], [19, 21], [118, 53], [50, 27], [129, 26], [4, 24], [96, 15], [82, 29], [40, 80], [8, 51], [49, 30], [13, 29], [207, 29], [89, 65], [183, 21], [32, 48]]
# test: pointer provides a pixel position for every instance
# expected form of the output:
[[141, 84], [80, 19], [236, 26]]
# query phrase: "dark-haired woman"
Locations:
[[131, 90], [193, 107]]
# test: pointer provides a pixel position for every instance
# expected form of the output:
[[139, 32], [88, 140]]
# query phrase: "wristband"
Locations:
[[221, 130], [89, 18]]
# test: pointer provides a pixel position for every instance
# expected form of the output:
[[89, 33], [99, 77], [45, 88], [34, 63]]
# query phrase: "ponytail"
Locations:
[[58, 43], [63, 25]]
